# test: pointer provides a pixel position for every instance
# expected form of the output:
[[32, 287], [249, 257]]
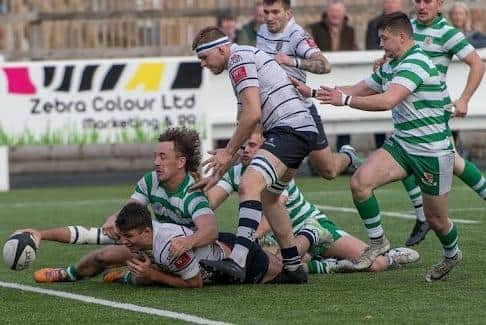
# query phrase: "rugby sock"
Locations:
[[72, 273], [317, 267], [473, 178], [370, 215], [290, 258], [81, 235], [249, 219], [449, 241], [310, 235], [415, 194]]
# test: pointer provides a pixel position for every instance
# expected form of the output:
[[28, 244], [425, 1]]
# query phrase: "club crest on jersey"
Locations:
[[183, 261], [235, 59], [428, 40], [238, 74], [279, 46], [428, 179]]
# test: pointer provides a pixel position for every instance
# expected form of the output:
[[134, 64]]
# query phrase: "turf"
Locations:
[[399, 296]]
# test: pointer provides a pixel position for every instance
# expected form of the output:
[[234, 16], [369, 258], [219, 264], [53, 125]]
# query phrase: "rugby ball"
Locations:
[[19, 251]]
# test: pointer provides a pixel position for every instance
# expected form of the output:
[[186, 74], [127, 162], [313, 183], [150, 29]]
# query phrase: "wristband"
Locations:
[[313, 93], [343, 98], [347, 100], [296, 62]]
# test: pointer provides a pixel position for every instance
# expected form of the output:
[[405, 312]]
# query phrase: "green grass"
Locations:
[[397, 296]]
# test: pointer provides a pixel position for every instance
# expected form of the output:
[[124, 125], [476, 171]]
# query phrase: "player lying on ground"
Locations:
[[314, 232], [409, 85], [166, 190], [147, 253]]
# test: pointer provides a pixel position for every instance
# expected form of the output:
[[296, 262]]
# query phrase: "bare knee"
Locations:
[[438, 223], [250, 188], [359, 187], [327, 173]]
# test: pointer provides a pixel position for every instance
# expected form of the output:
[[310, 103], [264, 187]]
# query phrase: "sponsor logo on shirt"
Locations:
[[238, 74], [183, 261], [311, 42]]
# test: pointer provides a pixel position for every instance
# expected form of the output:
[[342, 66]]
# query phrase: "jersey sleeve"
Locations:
[[456, 43], [303, 44], [242, 70], [412, 74], [225, 183], [185, 266], [196, 205], [375, 81], [143, 189]]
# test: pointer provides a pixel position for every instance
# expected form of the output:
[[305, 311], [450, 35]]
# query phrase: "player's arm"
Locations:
[[378, 102], [475, 75], [216, 196], [316, 63], [161, 277], [359, 89]]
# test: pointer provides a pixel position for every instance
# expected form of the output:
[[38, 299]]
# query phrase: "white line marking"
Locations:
[[388, 213], [113, 304]]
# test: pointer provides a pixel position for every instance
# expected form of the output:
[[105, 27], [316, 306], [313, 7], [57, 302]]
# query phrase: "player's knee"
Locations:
[[438, 223], [359, 186], [327, 173]]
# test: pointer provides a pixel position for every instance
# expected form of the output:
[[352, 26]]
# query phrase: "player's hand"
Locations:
[[379, 62], [109, 227], [301, 87], [460, 108], [36, 235], [284, 59], [180, 245], [141, 269], [333, 96], [205, 184]]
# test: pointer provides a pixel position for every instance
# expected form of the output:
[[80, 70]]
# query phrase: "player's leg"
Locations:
[[90, 265], [466, 170], [381, 167], [327, 163], [279, 220], [421, 226]]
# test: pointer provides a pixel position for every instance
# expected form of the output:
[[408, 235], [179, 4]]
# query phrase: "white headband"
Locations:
[[211, 45]]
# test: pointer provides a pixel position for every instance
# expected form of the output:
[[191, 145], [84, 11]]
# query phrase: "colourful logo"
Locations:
[[148, 76]]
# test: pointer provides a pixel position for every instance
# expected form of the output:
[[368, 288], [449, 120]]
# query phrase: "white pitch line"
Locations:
[[113, 304], [388, 213]]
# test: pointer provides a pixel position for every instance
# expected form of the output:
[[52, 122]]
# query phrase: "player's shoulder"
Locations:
[[241, 54]]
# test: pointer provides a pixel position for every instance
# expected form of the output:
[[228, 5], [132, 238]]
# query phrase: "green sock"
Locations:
[[370, 215], [449, 241], [317, 267], [415, 194], [473, 178], [72, 273], [127, 279]]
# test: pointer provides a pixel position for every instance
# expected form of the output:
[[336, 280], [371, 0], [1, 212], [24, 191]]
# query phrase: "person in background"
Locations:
[[248, 32], [460, 17], [333, 33], [227, 23]]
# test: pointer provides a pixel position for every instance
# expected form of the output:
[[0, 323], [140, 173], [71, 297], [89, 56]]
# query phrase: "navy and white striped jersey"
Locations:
[[282, 105], [185, 266], [293, 41]]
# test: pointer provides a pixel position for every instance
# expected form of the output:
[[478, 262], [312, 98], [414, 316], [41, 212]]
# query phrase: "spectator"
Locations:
[[372, 39], [247, 33], [227, 23], [373, 43], [461, 19], [333, 33]]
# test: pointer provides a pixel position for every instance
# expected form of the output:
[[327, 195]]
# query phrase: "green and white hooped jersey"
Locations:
[[419, 120], [298, 207], [441, 41], [180, 207]]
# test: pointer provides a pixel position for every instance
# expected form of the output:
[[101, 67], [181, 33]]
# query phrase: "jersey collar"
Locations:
[[181, 186], [435, 21]]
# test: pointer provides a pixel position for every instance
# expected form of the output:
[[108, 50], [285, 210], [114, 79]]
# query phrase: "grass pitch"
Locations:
[[398, 296]]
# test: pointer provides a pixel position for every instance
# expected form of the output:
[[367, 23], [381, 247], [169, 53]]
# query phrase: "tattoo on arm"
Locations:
[[316, 64]]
